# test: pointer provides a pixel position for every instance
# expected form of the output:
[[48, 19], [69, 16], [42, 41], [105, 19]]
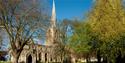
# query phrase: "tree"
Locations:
[[107, 25], [20, 19], [0, 35], [0, 40], [80, 40], [61, 48]]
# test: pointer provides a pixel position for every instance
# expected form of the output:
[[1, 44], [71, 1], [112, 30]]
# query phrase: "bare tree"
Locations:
[[20, 20], [1, 34], [0, 39], [61, 48]]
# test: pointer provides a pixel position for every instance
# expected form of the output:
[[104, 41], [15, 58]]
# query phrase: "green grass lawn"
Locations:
[[85, 62], [5, 62]]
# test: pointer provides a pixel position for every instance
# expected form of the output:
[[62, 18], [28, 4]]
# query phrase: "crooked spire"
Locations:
[[53, 17]]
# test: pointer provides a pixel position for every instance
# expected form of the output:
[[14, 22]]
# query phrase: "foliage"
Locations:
[[103, 31], [107, 25], [107, 22], [80, 40]]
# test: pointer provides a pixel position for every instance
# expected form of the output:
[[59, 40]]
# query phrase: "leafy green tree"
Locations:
[[80, 40], [107, 25]]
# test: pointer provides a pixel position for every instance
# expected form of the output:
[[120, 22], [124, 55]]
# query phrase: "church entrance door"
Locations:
[[29, 59]]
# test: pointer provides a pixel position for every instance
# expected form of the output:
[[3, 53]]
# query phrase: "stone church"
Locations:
[[32, 53]]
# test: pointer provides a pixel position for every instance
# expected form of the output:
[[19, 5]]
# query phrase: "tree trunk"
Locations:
[[119, 58], [123, 60], [98, 56], [87, 60], [105, 60], [15, 59]]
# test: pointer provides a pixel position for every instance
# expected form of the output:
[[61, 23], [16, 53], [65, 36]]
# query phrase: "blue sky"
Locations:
[[72, 8]]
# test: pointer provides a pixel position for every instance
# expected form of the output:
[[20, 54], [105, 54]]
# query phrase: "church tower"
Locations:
[[53, 17], [51, 32]]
